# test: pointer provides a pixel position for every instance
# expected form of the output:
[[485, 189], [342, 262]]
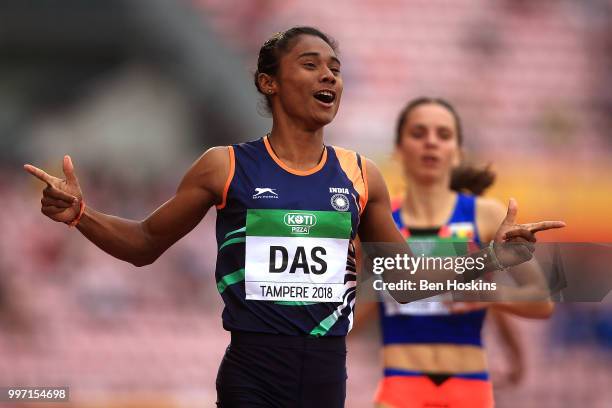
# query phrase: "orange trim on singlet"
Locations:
[[348, 163], [396, 203], [289, 169], [230, 176], [364, 165]]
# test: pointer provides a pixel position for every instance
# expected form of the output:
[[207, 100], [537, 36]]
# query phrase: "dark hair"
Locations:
[[465, 177], [279, 44]]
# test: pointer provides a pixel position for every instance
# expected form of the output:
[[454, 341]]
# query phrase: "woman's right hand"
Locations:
[[62, 198]]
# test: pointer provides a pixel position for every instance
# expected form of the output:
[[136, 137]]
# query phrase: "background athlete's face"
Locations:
[[309, 85], [429, 146]]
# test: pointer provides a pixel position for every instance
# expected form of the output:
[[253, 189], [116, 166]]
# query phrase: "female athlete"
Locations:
[[289, 208], [432, 349]]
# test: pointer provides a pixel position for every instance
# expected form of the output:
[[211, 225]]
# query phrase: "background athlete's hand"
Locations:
[[62, 197], [515, 241]]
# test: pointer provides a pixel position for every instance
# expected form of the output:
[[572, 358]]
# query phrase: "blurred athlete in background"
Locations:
[[432, 349]]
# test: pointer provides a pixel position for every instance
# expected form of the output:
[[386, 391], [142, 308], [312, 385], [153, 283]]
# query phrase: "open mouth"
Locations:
[[429, 159], [326, 96]]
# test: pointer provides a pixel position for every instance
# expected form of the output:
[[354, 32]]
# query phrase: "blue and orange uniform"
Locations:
[[421, 338], [286, 271]]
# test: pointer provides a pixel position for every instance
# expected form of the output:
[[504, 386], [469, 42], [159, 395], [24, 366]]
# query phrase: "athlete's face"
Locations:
[[308, 83], [429, 146]]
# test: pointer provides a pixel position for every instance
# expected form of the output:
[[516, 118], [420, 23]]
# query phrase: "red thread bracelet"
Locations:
[[78, 217]]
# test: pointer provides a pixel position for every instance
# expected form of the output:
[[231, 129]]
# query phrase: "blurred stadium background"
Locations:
[[135, 90]]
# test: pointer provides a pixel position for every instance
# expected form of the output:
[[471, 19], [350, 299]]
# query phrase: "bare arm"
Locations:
[[512, 345], [378, 228], [528, 275], [377, 223], [365, 313], [139, 242]]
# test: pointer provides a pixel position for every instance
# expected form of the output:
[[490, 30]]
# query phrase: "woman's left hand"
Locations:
[[518, 238]]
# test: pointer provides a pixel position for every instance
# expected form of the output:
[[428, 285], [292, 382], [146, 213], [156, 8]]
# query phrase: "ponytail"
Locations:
[[471, 179]]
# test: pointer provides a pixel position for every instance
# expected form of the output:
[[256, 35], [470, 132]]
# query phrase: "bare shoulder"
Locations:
[[217, 155], [490, 213], [377, 188], [491, 208], [211, 170]]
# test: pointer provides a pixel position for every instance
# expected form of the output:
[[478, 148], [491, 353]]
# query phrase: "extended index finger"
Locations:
[[39, 173], [58, 194], [543, 225], [520, 233]]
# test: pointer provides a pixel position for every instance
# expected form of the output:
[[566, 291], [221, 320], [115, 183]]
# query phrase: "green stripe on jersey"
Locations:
[[235, 231], [232, 241], [293, 303], [298, 223], [230, 279], [325, 324]]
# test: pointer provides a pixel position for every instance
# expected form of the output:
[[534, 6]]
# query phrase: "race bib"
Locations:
[[431, 306], [294, 255], [437, 304]]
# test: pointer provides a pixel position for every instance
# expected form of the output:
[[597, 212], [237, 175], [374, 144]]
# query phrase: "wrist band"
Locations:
[[78, 217], [498, 265]]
